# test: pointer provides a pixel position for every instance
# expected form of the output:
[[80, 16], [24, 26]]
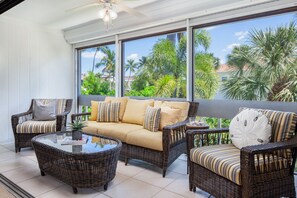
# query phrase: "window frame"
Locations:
[[208, 108], [79, 69]]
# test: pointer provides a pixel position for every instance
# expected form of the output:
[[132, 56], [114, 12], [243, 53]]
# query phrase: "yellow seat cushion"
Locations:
[[135, 111], [122, 100], [146, 139], [33, 126], [118, 130], [92, 126], [183, 106], [169, 116]]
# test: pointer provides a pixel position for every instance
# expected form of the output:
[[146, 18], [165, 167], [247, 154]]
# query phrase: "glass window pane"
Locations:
[[248, 60], [98, 70], [156, 66]]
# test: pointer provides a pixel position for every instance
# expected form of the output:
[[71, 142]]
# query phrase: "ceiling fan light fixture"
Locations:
[[113, 14], [107, 13]]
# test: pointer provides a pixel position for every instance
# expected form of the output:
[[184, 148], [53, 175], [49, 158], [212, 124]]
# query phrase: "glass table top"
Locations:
[[87, 143]]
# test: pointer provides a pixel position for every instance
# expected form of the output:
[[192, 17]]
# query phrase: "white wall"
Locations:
[[35, 62]]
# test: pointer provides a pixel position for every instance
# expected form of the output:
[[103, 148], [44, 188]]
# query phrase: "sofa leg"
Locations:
[[164, 172], [191, 187], [17, 149], [126, 161]]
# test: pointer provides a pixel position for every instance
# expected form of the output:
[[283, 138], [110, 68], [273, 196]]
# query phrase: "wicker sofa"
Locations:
[[267, 170], [160, 148], [25, 128]]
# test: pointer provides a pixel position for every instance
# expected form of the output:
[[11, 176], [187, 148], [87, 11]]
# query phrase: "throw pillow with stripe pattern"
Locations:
[[108, 112], [152, 118]]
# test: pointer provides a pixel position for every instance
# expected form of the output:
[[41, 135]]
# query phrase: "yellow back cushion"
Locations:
[[183, 106], [158, 103], [122, 100], [135, 111], [169, 116]]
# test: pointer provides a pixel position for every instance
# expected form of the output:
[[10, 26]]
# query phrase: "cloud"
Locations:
[[211, 28], [241, 35], [230, 47], [134, 57], [99, 55]]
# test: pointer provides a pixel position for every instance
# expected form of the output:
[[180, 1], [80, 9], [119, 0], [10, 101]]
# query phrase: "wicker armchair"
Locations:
[[24, 128], [222, 170]]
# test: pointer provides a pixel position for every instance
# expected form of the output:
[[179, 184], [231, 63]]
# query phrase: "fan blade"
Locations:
[[130, 10], [83, 7]]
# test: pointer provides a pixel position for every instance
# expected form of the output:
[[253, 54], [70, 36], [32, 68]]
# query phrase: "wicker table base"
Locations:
[[81, 166]]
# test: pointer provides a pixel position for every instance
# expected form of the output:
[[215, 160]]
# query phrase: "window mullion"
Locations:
[[190, 76]]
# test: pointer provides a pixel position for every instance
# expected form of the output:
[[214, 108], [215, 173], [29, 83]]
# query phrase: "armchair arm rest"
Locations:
[[266, 148], [61, 120], [22, 114], [204, 137], [20, 118], [79, 115], [271, 157]]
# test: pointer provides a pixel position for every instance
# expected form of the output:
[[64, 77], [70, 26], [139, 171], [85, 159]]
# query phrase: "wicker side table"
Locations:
[[88, 165]]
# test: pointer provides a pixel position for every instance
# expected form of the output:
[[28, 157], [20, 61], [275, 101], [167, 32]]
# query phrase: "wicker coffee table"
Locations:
[[91, 164]]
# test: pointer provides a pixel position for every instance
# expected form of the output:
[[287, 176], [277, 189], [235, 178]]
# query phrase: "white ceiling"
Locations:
[[53, 13]]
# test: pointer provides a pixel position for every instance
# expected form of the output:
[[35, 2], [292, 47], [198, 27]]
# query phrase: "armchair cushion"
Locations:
[[61, 104], [224, 160], [44, 112], [33, 126]]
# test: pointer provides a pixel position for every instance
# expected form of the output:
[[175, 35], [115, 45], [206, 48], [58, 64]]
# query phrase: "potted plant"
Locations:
[[76, 127]]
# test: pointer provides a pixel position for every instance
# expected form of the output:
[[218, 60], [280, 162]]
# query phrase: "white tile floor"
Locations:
[[138, 179]]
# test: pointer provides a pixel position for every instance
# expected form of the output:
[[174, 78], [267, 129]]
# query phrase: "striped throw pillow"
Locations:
[[108, 112], [152, 118]]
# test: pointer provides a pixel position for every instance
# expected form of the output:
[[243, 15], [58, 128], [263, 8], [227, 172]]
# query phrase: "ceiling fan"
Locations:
[[108, 9]]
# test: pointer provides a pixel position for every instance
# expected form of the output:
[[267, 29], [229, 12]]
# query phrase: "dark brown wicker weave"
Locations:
[[79, 170], [174, 143], [23, 140], [273, 182]]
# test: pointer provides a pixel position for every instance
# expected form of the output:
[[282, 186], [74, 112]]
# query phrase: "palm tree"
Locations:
[[108, 63], [271, 60], [165, 86], [130, 66], [206, 78]]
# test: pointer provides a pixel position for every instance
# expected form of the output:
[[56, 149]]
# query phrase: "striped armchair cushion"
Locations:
[[32, 126], [224, 160], [283, 124]]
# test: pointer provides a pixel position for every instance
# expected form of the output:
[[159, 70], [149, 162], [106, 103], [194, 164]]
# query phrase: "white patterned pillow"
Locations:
[[250, 127]]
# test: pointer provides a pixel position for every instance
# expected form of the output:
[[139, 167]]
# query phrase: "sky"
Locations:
[[224, 38]]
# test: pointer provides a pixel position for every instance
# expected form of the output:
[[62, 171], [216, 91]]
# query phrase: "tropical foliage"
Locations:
[[266, 67], [163, 72]]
